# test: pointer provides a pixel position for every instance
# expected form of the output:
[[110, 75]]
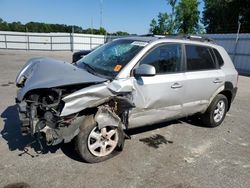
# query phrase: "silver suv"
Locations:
[[129, 82]]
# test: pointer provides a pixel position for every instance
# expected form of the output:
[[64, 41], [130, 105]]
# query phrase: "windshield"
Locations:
[[109, 59]]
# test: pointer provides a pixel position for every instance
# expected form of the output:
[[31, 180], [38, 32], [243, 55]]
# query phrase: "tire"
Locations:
[[216, 111], [94, 145]]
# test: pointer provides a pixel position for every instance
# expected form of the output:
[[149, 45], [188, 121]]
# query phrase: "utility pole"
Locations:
[[237, 38], [72, 38], [101, 3], [92, 25]]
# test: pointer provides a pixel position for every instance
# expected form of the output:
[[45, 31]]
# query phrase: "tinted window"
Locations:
[[199, 58], [218, 57], [165, 58]]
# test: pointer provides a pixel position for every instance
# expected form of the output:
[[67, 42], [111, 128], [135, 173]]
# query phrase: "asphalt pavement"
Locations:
[[177, 154]]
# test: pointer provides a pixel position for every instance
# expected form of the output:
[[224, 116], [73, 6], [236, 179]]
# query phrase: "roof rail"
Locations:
[[199, 38], [180, 36], [160, 36]]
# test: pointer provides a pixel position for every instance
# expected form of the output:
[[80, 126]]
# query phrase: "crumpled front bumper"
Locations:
[[23, 117]]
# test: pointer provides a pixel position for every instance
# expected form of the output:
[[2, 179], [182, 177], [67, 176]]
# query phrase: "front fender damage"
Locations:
[[88, 97], [112, 100], [105, 117]]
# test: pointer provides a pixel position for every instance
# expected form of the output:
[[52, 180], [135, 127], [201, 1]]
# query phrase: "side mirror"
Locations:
[[144, 70]]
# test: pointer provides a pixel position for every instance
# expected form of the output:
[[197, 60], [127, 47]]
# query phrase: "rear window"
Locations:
[[199, 58], [218, 57]]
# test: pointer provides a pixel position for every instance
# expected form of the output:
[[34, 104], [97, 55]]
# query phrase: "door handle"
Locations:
[[176, 85], [217, 80]]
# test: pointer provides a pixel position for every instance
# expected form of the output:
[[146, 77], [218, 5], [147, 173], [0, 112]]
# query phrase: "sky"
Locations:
[[132, 16]]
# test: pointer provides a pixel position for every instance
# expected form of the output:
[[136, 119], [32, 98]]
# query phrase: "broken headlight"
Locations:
[[20, 81]]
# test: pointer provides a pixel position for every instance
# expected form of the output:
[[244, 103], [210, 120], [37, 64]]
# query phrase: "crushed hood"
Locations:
[[48, 73]]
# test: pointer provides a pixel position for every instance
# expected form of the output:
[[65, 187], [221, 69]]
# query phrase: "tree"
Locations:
[[172, 3], [166, 23], [102, 31], [154, 27], [120, 33], [46, 28], [222, 16], [3, 25], [187, 16], [184, 18], [162, 25]]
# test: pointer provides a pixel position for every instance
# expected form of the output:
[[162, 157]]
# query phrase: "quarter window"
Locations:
[[199, 58], [165, 58], [218, 57]]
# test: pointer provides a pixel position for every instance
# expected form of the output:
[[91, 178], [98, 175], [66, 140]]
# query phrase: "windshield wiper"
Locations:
[[94, 71], [89, 68]]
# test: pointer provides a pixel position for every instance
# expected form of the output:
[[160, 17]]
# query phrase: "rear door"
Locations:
[[204, 78]]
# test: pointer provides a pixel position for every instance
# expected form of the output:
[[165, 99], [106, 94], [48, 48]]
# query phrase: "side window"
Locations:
[[218, 57], [165, 58], [199, 58]]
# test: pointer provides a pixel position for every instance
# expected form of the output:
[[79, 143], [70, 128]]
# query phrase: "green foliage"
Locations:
[[172, 3], [162, 25], [120, 33], [187, 16], [47, 28], [221, 16], [102, 31], [184, 18]]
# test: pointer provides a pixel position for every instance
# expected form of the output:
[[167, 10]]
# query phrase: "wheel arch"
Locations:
[[228, 92]]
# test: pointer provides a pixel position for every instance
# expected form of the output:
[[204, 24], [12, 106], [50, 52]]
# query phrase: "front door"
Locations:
[[158, 98]]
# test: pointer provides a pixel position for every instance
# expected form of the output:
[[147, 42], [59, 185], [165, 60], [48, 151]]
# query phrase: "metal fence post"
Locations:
[[51, 45], [72, 42], [5, 39], [28, 41], [90, 42]]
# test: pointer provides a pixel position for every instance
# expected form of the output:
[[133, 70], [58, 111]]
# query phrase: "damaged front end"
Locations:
[[56, 113], [54, 97], [52, 102], [39, 113]]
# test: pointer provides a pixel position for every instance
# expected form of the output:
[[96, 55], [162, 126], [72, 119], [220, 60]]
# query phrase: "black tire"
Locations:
[[81, 141], [209, 117]]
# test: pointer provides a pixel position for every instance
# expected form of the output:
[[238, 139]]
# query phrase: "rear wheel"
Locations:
[[216, 112], [96, 145]]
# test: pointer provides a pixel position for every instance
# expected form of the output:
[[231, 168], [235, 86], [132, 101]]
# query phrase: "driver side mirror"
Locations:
[[145, 70]]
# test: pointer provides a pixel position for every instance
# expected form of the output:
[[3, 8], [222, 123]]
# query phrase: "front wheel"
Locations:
[[96, 145], [216, 112]]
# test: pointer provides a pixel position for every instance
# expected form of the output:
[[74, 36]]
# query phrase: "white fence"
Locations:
[[239, 50], [49, 41]]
